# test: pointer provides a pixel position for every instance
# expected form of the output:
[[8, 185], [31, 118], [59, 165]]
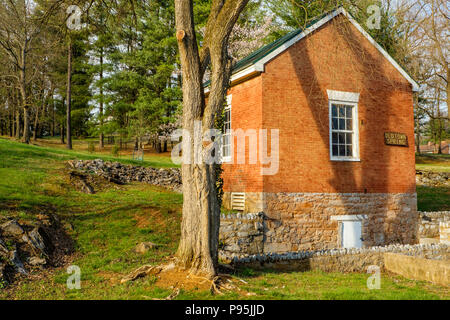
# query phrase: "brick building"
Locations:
[[343, 108]]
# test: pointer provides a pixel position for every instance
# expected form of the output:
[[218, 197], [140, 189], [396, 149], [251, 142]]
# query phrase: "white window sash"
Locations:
[[228, 134], [355, 122]]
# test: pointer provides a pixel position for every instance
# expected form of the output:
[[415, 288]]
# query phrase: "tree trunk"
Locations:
[[17, 124], [36, 124], [11, 123], [69, 95], [62, 132], [198, 249], [23, 92], [53, 123], [101, 138]]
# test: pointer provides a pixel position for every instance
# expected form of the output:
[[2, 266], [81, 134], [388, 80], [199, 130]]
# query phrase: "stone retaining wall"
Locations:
[[444, 232], [418, 268], [338, 260], [429, 223]]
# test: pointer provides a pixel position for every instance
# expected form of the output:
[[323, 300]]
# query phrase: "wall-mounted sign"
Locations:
[[395, 139]]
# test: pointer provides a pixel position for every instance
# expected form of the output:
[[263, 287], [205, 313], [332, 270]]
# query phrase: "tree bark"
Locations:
[[69, 95], [198, 248], [17, 124], [101, 138], [62, 132]]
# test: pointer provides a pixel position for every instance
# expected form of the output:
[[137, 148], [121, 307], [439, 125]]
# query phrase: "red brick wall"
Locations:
[[294, 100], [246, 113]]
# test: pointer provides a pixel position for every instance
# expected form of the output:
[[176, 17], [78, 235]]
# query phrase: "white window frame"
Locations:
[[228, 158], [348, 99]]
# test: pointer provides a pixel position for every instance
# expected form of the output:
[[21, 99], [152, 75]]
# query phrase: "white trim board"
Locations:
[[343, 96], [259, 65], [352, 217]]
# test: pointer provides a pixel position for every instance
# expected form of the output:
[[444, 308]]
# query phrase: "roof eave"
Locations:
[[246, 73]]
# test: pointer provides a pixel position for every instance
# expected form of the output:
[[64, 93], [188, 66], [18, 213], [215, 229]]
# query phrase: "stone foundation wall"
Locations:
[[293, 222], [303, 221], [339, 260], [429, 223], [241, 233]]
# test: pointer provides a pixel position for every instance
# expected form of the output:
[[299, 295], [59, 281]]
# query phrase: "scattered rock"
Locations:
[[144, 247], [120, 174], [141, 272], [11, 229], [35, 261], [26, 246]]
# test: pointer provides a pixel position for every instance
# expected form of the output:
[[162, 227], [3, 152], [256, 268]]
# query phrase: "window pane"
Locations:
[[349, 111], [334, 138], [342, 150], [341, 112], [349, 124], [348, 138], [335, 123], [341, 124], [348, 151], [334, 111], [341, 138], [335, 150]]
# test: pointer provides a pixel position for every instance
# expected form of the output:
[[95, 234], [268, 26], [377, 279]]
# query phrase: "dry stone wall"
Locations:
[[432, 178], [338, 260], [121, 173], [444, 232], [429, 223]]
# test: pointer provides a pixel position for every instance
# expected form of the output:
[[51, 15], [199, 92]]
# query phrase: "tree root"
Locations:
[[177, 280]]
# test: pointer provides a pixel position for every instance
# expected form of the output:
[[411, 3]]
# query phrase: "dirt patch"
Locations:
[[112, 277], [143, 219], [179, 278]]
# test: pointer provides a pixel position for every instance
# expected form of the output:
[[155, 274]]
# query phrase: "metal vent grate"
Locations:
[[238, 201]]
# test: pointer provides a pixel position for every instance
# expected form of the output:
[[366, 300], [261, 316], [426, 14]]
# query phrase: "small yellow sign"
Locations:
[[395, 139]]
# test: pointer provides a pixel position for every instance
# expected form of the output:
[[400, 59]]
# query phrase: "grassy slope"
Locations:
[[108, 225], [433, 198]]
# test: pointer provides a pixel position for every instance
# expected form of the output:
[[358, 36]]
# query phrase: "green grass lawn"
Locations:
[[433, 162], [108, 225], [433, 198]]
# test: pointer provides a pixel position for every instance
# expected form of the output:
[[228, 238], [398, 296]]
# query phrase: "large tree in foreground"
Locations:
[[198, 249]]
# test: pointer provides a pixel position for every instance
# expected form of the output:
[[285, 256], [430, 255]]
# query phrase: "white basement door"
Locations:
[[351, 234]]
